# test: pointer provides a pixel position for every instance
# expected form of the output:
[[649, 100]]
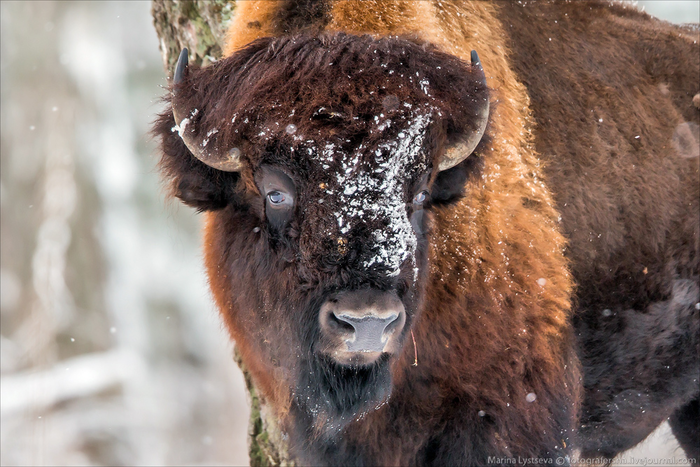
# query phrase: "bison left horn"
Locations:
[[186, 128], [465, 145]]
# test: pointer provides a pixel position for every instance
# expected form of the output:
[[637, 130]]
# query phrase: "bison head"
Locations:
[[320, 157]]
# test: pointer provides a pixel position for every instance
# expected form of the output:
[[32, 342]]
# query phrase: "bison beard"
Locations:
[[338, 394]]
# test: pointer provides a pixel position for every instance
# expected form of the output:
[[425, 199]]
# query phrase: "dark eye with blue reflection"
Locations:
[[420, 197], [276, 197]]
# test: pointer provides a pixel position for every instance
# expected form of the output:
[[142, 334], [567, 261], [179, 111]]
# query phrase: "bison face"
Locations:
[[319, 158], [352, 216], [346, 227]]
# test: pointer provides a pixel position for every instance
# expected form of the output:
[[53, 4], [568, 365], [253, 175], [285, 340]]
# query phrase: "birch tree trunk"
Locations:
[[201, 25]]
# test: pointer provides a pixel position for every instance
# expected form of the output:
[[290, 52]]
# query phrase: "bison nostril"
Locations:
[[392, 325], [340, 324]]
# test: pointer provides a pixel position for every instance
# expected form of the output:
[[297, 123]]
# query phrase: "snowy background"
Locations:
[[111, 350]]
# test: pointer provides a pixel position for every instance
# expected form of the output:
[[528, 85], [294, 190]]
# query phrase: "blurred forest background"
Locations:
[[111, 350]]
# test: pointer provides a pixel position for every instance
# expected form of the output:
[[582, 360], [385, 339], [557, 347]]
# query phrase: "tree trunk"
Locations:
[[201, 25]]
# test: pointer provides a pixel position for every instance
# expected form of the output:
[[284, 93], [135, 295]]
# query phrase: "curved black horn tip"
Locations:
[[479, 69], [181, 66], [475, 58]]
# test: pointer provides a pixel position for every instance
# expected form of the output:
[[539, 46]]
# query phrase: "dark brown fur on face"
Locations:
[[339, 83]]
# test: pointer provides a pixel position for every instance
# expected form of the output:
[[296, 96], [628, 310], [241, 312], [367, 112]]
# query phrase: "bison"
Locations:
[[451, 233]]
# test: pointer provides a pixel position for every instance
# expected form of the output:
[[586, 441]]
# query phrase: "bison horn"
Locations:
[[466, 144], [232, 161]]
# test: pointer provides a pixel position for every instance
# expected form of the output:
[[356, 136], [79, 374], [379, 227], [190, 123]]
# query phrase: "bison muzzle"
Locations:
[[358, 326]]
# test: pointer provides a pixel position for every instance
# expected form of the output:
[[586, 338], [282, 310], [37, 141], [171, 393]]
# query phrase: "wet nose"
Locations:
[[360, 325], [368, 333]]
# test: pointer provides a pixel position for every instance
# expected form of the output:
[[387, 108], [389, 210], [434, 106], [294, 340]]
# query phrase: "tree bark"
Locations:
[[201, 25]]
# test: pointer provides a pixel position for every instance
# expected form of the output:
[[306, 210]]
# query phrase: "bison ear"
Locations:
[[187, 178], [450, 184]]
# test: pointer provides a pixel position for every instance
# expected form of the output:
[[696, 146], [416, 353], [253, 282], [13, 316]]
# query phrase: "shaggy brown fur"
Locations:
[[490, 309], [508, 322], [611, 92], [516, 344], [511, 329]]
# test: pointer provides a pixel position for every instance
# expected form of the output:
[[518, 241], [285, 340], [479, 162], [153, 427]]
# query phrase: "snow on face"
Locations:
[[376, 195]]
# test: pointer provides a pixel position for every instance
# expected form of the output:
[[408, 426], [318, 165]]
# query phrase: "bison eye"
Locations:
[[279, 192], [420, 197], [276, 197]]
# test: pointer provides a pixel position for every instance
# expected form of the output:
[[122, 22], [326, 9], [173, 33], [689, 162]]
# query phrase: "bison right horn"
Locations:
[[465, 145], [231, 162]]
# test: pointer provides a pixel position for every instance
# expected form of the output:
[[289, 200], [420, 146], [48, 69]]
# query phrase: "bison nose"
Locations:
[[358, 326], [367, 333]]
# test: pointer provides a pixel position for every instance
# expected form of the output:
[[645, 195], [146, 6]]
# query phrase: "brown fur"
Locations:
[[494, 324], [610, 94], [253, 105], [504, 348]]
